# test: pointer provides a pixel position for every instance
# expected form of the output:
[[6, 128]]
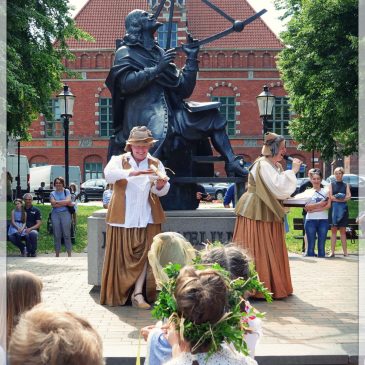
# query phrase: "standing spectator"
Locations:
[[23, 291], [46, 337], [9, 191], [134, 217], [33, 223], [339, 193], [229, 197], [74, 197], [107, 194], [40, 195], [260, 214], [61, 218], [17, 226], [316, 223]]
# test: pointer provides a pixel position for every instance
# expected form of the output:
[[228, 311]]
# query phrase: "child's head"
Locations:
[[169, 247], [231, 258], [73, 188], [23, 293], [201, 297], [43, 184], [46, 336], [18, 203]]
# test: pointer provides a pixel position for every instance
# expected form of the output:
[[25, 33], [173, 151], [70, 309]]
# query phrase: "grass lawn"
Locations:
[[45, 241], [295, 245]]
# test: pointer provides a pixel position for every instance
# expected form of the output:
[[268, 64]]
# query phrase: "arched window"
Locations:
[[236, 60], [205, 60], [266, 60], [84, 61], [251, 60], [221, 60], [227, 108], [99, 61]]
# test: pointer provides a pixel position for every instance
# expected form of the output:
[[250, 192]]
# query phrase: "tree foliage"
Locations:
[[34, 64], [319, 67]]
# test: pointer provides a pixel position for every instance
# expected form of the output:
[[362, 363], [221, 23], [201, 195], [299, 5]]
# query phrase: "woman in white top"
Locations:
[[134, 217], [316, 223]]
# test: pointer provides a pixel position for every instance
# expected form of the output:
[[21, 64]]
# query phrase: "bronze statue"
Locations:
[[148, 89]]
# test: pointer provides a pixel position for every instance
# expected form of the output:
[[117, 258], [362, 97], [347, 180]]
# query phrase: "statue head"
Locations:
[[138, 22]]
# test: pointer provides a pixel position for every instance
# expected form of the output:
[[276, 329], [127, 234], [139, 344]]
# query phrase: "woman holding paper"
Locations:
[[134, 217]]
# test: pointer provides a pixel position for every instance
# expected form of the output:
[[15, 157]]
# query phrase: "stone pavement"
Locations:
[[316, 325]]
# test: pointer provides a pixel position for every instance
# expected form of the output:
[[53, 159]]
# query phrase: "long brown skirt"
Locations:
[[125, 255], [265, 243]]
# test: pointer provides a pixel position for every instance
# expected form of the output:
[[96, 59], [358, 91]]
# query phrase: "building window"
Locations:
[[162, 35], [105, 117], [37, 164], [54, 127], [228, 111], [93, 170], [279, 121]]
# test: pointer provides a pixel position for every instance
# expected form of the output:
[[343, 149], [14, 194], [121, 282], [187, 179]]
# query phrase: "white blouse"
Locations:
[[226, 356], [281, 184], [138, 209]]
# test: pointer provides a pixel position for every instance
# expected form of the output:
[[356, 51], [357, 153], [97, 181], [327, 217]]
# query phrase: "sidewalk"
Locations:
[[316, 325]]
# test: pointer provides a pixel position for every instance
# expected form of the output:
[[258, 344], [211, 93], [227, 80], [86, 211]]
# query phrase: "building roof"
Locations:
[[104, 20]]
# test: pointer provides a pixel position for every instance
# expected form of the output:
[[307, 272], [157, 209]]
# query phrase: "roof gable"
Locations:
[[104, 20]]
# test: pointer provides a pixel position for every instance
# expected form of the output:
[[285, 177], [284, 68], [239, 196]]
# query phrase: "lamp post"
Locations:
[[66, 103], [265, 102], [18, 186]]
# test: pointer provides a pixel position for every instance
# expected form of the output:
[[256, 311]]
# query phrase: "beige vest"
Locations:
[[258, 203], [116, 208]]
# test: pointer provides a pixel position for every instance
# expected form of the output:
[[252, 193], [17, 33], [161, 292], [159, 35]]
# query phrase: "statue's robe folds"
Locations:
[[139, 97]]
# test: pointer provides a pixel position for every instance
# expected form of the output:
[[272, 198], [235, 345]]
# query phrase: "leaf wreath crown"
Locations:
[[232, 325]]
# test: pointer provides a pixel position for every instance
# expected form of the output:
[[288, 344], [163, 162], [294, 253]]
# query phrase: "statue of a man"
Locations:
[[148, 89]]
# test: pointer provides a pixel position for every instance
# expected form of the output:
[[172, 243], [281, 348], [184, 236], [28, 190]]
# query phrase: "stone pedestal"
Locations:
[[196, 226]]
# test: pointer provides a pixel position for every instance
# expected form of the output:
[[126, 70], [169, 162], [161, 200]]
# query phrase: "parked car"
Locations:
[[217, 191], [302, 180], [92, 189], [355, 182]]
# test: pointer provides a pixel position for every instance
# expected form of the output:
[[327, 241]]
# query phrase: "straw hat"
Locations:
[[169, 247], [139, 136], [269, 139]]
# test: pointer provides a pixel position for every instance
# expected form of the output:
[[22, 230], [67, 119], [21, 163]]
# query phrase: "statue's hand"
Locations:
[[191, 52], [166, 59]]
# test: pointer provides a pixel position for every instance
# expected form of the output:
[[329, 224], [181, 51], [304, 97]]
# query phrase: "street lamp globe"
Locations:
[[265, 102], [66, 102]]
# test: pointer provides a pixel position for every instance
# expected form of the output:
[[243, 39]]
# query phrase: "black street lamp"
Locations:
[[18, 186], [265, 102], [66, 103]]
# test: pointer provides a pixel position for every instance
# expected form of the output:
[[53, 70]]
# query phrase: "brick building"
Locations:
[[233, 70]]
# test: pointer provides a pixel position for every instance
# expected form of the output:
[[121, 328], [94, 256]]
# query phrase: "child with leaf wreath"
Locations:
[[204, 324], [229, 257]]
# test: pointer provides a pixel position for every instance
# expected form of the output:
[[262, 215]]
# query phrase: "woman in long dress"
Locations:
[[134, 217], [260, 214]]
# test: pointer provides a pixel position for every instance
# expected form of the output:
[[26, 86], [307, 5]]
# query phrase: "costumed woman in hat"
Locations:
[[260, 213], [134, 217]]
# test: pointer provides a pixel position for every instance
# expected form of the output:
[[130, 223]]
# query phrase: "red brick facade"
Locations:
[[236, 66]]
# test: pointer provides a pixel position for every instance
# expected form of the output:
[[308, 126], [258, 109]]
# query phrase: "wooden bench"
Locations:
[[299, 226]]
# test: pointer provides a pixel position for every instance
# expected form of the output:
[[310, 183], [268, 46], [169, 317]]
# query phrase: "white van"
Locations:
[[48, 173], [12, 167]]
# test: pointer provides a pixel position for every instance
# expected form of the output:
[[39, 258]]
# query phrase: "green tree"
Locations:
[[319, 67], [34, 61]]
